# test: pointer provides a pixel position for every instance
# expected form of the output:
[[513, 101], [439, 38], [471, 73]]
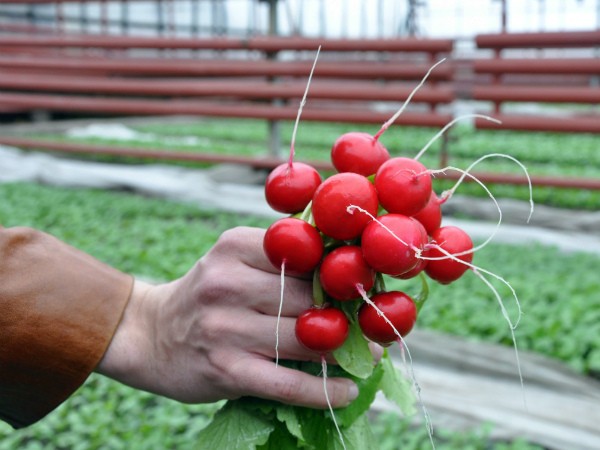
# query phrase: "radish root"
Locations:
[[352, 208], [282, 284], [448, 125], [324, 369], [451, 191]]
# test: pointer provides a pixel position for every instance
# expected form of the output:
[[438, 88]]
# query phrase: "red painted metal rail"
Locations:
[[263, 44], [556, 39], [270, 163], [538, 66], [249, 89], [502, 89], [220, 67], [138, 107], [555, 94]]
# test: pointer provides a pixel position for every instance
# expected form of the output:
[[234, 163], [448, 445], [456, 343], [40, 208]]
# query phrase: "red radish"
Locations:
[[294, 244], [398, 308], [322, 329], [289, 188], [391, 243], [449, 240], [422, 263], [344, 268], [359, 153], [403, 186], [431, 215], [332, 199]]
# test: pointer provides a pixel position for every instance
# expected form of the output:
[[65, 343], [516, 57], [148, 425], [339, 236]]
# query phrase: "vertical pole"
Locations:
[[195, 18], [274, 125], [125, 16]]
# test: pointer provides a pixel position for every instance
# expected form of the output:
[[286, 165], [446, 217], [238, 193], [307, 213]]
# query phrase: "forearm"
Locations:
[[59, 308]]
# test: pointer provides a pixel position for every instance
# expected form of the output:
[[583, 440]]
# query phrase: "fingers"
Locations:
[[260, 378], [246, 244]]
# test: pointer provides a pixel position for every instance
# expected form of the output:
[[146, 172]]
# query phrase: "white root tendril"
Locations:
[[447, 194], [282, 284], [302, 103], [479, 269], [498, 155], [352, 208], [392, 119], [405, 352], [512, 330], [324, 369], [448, 125]]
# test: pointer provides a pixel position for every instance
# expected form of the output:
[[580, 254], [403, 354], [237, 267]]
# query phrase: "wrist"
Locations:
[[130, 345]]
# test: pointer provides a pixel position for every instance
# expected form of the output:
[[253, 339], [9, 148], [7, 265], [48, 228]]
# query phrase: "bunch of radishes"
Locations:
[[376, 216]]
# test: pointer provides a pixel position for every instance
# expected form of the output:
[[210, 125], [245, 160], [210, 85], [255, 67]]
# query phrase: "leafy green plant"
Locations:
[[555, 154], [161, 240]]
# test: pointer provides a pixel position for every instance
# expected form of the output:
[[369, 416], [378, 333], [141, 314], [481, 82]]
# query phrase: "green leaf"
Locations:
[[287, 415], [321, 432], [396, 387], [367, 389], [360, 436], [355, 356], [235, 427], [280, 439], [318, 429]]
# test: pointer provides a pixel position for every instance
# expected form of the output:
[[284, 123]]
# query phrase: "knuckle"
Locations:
[[230, 239], [216, 287], [289, 389]]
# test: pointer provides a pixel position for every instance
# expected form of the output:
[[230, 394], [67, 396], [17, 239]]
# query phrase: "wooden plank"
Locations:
[[467, 384]]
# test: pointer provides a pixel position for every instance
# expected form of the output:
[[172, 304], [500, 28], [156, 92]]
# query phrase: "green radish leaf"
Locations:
[[236, 427], [288, 416], [321, 432], [355, 356], [367, 389], [396, 387], [280, 439], [359, 436]]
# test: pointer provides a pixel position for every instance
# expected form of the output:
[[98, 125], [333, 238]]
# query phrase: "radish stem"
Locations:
[[302, 103], [387, 124]]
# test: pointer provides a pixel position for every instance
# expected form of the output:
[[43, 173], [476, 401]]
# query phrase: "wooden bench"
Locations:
[[359, 81], [543, 72]]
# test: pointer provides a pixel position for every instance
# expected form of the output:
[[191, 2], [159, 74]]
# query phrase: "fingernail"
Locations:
[[352, 392]]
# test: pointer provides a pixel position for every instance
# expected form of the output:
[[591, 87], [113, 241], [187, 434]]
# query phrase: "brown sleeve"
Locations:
[[59, 309]]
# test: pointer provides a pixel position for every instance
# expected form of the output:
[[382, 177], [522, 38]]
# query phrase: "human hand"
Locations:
[[210, 335]]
